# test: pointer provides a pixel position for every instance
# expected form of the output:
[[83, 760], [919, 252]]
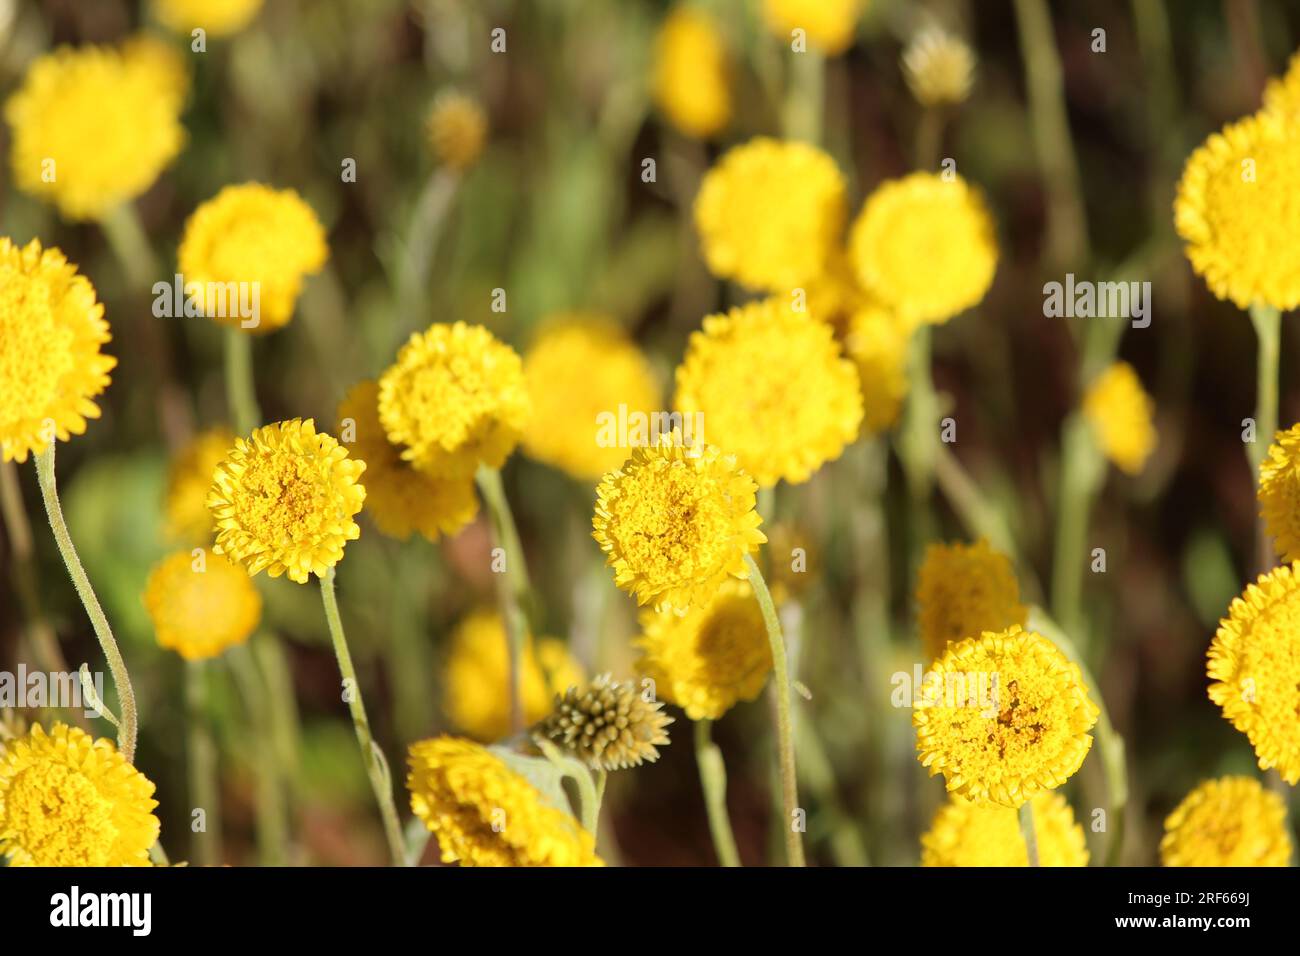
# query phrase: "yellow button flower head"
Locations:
[[579, 371], [876, 341], [828, 24], [676, 522], [51, 330], [400, 499], [477, 681], [770, 213], [1120, 413], [774, 390], [939, 68], [283, 500], [94, 126], [189, 479], [67, 799], [484, 814], [1003, 716], [201, 605], [985, 834], [925, 246], [710, 658], [1282, 95], [692, 82], [455, 399], [1238, 211], [962, 591], [1254, 662], [218, 17], [457, 129], [608, 725], [834, 295], [251, 233], [1279, 493], [1231, 821]]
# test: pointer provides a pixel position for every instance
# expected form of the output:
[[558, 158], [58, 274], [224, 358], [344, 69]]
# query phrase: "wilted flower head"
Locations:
[[457, 128], [609, 724], [939, 68], [1232, 821]]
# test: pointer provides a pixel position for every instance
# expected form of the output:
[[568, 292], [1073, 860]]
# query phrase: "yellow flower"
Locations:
[[834, 295], [1231, 821], [201, 605], [828, 24], [477, 682], [188, 480], [962, 591], [876, 341], [218, 17], [1279, 493], [1120, 413], [1254, 662], [985, 834], [94, 126], [457, 129], [770, 213], [773, 388], [692, 83], [400, 499], [1238, 211], [1003, 716], [925, 247], [676, 522], [67, 799], [484, 814], [267, 238], [455, 399], [939, 68], [51, 330], [580, 371], [608, 725], [283, 500], [1283, 95], [710, 658]]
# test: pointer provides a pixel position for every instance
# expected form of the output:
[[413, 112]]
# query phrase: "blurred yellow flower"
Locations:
[[67, 799], [711, 657], [774, 390], [676, 522], [455, 399], [400, 499], [834, 295], [218, 17], [827, 24], [1121, 413], [51, 331], [94, 126], [1003, 716], [201, 605], [877, 340], [477, 681], [1279, 493], [457, 128], [962, 591], [580, 370], [269, 239], [939, 68], [1236, 208], [1254, 663], [608, 725], [692, 83], [1282, 95], [924, 246], [986, 834], [770, 213], [1231, 821], [189, 478], [283, 500], [484, 814]]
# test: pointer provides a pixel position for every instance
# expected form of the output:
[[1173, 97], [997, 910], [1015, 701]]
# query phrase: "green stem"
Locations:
[[805, 102], [1268, 331], [117, 666], [588, 796], [130, 245], [421, 243], [241, 397], [204, 793], [514, 587], [977, 513], [376, 766], [918, 442], [1027, 832], [1081, 470], [272, 822], [929, 138], [785, 724], [713, 780]]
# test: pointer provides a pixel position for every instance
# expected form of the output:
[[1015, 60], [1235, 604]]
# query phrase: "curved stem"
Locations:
[[1027, 832], [204, 793], [421, 243], [1081, 471], [713, 780], [375, 766], [130, 245], [241, 397], [117, 666], [1268, 329], [514, 587], [785, 726]]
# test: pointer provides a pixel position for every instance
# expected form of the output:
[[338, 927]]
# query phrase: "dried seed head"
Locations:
[[609, 725], [939, 68]]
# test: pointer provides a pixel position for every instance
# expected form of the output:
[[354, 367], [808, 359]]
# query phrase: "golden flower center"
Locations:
[[59, 817], [37, 351], [672, 522], [282, 499]]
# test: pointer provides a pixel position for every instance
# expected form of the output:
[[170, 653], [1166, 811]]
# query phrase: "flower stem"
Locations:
[[204, 793], [805, 102], [421, 243], [376, 766], [918, 441], [514, 588], [241, 397], [130, 245], [1082, 468], [1268, 330], [272, 823], [1027, 831], [713, 780], [117, 667], [785, 724]]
